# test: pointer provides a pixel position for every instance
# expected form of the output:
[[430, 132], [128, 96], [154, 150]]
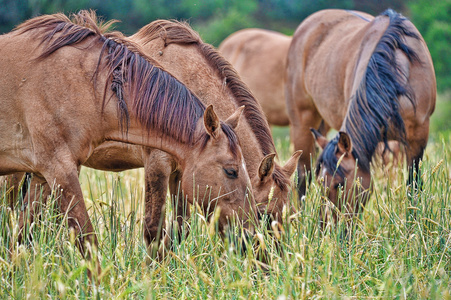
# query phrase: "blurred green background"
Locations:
[[216, 19]]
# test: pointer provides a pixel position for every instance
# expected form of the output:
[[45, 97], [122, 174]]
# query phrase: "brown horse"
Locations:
[[370, 78], [259, 56], [68, 86], [180, 50]]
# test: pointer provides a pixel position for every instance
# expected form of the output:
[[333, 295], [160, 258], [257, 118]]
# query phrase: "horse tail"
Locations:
[[374, 111]]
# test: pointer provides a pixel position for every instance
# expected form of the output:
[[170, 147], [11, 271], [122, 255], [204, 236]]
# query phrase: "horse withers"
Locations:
[[69, 86], [372, 79]]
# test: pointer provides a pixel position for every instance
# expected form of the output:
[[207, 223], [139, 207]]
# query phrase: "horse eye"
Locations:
[[231, 173], [338, 185]]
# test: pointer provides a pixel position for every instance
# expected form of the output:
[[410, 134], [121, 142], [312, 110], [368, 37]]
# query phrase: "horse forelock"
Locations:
[[374, 108], [158, 100], [280, 178], [328, 159], [173, 32]]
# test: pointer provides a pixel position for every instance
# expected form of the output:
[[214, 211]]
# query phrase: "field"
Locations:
[[400, 247]]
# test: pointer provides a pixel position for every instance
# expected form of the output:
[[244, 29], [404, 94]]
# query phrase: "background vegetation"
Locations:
[[216, 19], [400, 246]]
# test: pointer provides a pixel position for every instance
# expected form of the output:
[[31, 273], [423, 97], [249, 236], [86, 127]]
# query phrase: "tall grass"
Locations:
[[399, 247]]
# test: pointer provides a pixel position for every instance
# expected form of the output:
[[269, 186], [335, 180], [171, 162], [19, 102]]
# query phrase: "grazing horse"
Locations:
[[180, 50], [259, 56], [68, 86], [372, 79]]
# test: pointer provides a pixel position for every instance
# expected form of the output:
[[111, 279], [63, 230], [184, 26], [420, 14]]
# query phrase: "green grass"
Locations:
[[441, 121], [400, 247]]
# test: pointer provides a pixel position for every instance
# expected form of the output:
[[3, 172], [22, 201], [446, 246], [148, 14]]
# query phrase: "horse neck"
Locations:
[[137, 134], [190, 66]]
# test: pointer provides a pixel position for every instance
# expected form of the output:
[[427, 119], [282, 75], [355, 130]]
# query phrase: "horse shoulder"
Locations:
[[54, 96]]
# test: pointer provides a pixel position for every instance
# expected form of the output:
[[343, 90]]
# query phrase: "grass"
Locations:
[[400, 246], [440, 120]]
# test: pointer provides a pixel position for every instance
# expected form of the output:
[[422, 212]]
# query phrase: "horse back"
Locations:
[[248, 43], [259, 56]]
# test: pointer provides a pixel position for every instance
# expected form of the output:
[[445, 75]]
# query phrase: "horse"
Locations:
[[372, 79], [69, 86], [180, 50], [259, 56]]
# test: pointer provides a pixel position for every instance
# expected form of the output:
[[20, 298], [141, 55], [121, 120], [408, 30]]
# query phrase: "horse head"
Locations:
[[346, 185], [271, 186], [215, 174]]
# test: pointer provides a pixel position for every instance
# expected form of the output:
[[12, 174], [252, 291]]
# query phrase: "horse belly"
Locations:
[[115, 156]]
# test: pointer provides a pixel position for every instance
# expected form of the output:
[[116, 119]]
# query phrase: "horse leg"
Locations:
[[71, 204], [180, 212], [417, 138], [323, 128], [180, 206], [157, 168], [34, 198], [414, 156], [302, 139], [34, 191], [15, 185]]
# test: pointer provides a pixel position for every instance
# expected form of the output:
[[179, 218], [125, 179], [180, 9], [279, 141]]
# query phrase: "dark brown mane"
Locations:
[[174, 32], [158, 99]]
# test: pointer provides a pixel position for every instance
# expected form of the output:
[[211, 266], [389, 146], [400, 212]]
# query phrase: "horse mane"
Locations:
[[175, 32], [158, 99], [374, 110]]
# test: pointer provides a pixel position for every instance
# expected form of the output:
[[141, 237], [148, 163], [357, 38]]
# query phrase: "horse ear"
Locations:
[[234, 119], [291, 164], [266, 166], [211, 122], [344, 143], [319, 138]]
